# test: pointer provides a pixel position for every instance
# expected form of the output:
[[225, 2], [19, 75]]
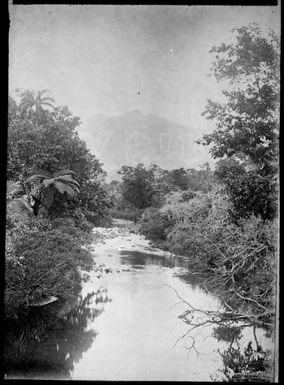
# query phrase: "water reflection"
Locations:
[[249, 362], [136, 338], [134, 257], [49, 340], [190, 279], [240, 345]]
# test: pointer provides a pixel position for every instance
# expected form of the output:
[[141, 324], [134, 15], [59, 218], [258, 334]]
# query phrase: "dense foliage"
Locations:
[[247, 121], [145, 187], [138, 185], [223, 222], [229, 232], [55, 185], [42, 259]]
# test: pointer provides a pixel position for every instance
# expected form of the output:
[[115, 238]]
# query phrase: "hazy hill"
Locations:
[[137, 138]]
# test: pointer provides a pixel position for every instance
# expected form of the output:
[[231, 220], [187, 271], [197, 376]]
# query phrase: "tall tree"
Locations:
[[247, 122], [137, 185], [33, 104]]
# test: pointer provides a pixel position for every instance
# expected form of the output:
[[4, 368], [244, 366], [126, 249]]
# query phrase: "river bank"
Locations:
[[127, 322]]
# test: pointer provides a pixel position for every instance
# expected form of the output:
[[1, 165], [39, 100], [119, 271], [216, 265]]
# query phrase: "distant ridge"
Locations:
[[142, 138]]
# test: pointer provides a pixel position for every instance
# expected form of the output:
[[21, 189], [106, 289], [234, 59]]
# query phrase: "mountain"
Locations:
[[142, 138]]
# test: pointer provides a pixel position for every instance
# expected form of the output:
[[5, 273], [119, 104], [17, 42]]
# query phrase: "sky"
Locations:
[[111, 59]]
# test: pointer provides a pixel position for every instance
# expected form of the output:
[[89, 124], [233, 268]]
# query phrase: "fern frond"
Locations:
[[48, 182], [39, 171], [36, 177], [47, 104], [70, 191], [48, 197], [65, 188], [69, 179], [60, 187], [74, 187]]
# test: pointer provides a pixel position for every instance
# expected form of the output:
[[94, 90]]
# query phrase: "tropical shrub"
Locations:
[[180, 206], [42, 260], [53, 183], [196, 180], [96, 201], [127, 213], [153, 224], [156, 222], [239, 259], [45, 191]]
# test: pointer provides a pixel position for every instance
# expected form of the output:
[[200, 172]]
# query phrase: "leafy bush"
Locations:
[[79, 230], [97, 219], [178, 207], [153, 224], [238, 259], [53, 179], [158, 224], [128, 213], [249, 191], [41, 260], [247, 120]]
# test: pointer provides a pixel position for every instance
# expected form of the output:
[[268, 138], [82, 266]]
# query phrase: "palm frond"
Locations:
[[47, 104], [47, 98], [42, 92]]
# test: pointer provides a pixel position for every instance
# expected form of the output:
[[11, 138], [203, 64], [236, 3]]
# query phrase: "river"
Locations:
[[126, 324]]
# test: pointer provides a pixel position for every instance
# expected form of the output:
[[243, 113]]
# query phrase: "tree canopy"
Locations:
[[247, 122], [48, 146]]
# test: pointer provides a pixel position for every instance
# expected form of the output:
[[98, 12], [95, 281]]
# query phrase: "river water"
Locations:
[[126, 324]]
